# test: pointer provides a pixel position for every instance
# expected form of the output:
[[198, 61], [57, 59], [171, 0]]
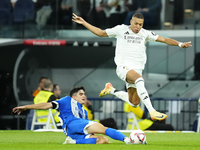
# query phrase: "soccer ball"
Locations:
[[137, 137]]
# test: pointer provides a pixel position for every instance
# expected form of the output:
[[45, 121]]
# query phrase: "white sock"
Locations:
[[122, 95], [143, 94]]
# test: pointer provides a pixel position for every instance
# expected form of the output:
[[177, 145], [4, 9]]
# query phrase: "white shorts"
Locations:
[[122, 71]]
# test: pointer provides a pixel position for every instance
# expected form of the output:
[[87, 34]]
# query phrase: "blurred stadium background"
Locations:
[[72, 56]]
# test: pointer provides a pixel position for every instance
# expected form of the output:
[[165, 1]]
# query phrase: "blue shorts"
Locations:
[[76, 129]]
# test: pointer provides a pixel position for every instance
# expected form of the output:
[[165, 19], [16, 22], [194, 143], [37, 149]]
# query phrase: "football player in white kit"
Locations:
[[130, 57]]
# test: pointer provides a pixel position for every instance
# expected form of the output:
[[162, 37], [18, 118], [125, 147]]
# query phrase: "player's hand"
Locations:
[[186, 44], [19, 109], [77, 19]]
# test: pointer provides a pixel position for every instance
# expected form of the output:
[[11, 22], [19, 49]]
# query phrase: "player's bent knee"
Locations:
[[106, 140], [102, 140]]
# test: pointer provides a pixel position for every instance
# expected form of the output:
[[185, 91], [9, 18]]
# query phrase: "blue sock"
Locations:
[[114, 134], [86, 141]]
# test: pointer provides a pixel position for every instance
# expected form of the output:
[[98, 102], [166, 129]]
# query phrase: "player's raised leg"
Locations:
[[109, 89], [133, 77], [133, 99]]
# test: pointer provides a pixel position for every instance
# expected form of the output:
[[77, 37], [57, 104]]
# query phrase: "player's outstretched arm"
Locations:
[[34, 106], [173, 42], [90, 27]]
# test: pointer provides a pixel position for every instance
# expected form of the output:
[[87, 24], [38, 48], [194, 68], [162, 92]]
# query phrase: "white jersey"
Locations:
[[130, 47]]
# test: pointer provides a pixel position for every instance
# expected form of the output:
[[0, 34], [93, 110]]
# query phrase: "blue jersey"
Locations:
[[71, 112]]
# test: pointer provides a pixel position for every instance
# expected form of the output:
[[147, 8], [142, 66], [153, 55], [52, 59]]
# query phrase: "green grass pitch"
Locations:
[[28, 140]]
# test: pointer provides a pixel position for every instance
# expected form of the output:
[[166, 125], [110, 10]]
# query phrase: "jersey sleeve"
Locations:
[[62, 103], [151, 36], [55, 105], [113, 32]]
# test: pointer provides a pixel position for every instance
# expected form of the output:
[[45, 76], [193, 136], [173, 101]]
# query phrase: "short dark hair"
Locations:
[[42, 78], [55, 87], [75, 90], [138, 15]]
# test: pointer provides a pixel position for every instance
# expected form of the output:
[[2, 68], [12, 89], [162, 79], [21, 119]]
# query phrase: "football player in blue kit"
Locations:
[[74, 119]]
